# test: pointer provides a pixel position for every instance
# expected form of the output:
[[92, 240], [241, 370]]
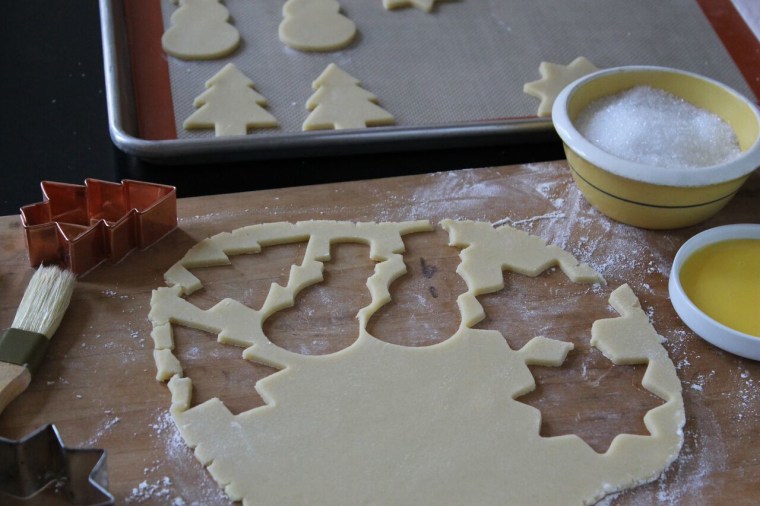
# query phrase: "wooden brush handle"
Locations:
[[13, 380]]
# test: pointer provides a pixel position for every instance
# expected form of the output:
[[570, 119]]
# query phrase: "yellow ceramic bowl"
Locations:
[[657, 197]]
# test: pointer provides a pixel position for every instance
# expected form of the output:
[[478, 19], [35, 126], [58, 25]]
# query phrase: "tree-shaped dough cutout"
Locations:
[[230, 105], [200, 31], [315, 25], [339, 102]]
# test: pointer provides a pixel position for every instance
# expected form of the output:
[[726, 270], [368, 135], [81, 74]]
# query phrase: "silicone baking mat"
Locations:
[[462, 64]]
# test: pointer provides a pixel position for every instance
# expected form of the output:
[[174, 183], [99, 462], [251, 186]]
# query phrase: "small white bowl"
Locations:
[[707, 328]]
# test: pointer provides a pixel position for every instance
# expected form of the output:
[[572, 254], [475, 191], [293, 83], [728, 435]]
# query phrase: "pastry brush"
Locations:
[[23, 345]]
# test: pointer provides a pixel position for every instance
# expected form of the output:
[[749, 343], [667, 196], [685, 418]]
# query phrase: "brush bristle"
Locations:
[[45, 301]]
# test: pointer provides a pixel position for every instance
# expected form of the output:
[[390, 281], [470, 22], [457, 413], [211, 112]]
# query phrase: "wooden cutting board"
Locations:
[[97, 382]]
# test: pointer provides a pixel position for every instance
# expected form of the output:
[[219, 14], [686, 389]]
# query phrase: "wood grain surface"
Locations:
[[97, 382]]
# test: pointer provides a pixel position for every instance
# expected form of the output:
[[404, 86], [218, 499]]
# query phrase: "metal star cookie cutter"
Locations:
[[39, 470], [79, 226]]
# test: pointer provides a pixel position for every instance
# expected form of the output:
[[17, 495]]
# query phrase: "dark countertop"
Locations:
[[56, 125]]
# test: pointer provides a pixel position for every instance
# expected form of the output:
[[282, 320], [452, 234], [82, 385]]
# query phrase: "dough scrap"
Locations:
[[315, 25], [230, 105], [167, 365], [339, 102], [554, 78], [162, 337], [200, 31], [379, 423]]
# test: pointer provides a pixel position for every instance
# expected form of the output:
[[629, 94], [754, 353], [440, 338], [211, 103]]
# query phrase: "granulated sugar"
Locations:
[[653, 127]]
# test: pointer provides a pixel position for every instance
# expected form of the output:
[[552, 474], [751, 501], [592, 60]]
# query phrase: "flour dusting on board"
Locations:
[[103, 429], [160, 488], [703, 453], [747, 400], [455, 194]]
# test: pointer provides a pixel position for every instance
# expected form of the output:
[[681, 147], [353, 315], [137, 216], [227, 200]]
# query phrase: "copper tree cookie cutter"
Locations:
[[79, 226]]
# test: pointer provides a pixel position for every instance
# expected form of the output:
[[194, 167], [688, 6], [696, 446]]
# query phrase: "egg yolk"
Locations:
[[723, 280]]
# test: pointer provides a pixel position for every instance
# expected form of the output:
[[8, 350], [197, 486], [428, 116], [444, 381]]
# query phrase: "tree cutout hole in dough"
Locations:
[[224, 281], [315, 25], [378, 422], [226, 380]]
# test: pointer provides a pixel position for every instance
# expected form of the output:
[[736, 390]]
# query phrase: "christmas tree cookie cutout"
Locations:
[[315, 25], [554, 78], [230, 105], [423, 5], [339, 102], [200, 31]]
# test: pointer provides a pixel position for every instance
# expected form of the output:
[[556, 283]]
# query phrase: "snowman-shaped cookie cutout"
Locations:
[[315, 25]]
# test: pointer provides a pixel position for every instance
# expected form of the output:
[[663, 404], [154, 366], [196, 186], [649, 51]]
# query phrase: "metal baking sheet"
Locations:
[[452, 77]]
